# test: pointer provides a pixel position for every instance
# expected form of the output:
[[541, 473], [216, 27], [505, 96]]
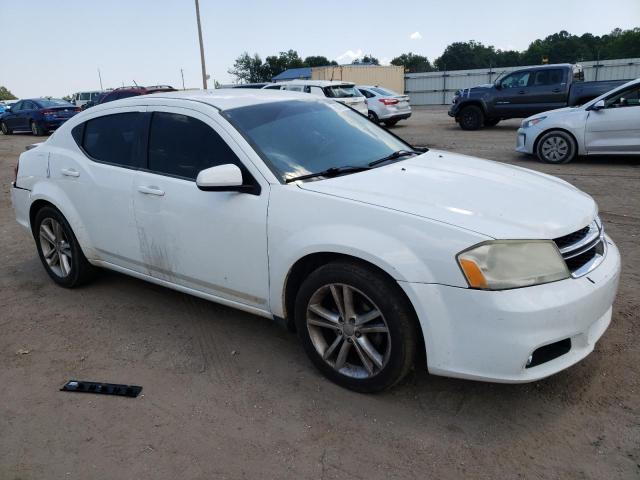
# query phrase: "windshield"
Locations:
[[301, 137], [342, 91], [46, 103]]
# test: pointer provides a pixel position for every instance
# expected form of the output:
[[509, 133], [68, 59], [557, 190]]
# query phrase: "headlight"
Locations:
[[532, 122], [504, 264]]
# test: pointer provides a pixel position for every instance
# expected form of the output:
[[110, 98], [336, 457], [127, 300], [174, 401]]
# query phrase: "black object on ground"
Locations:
[[103, 388]]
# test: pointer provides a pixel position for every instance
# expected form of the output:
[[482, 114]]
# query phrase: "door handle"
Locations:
[[555, 90], [522, 92], [150, 190], [70, 172]]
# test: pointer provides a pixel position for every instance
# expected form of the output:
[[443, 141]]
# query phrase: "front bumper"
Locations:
[[489, 336], [526, 139]]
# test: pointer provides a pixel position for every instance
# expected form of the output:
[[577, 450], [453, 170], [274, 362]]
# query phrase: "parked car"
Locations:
[[95, 101], [37, 115], [607, 125], [80, 99], [3, 107], [343, 92], [250, 85], [293, 207], [134, 91], [385, 105], [523, 93]]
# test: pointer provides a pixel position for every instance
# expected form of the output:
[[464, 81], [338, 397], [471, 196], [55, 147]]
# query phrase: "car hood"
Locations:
[[556, 111], [491, 198]]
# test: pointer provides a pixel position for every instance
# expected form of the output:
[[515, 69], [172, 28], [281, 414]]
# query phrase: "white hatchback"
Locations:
[[297, 208]]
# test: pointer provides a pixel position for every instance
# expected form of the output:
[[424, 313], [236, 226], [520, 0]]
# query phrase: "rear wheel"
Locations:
[[5, 129], [356, 326], [59, 249], [556, 147], [373, 117], [471, 118], [36, 129]]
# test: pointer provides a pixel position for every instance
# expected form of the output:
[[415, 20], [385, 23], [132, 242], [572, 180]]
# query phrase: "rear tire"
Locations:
[[556, 147], [356, 326], [5, 129], [59, 250], [471, 118], [373, 117], [37, 130]]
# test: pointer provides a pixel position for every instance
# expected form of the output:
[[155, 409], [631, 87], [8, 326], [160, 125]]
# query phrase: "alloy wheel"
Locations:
[[55, 246], [348, 331]]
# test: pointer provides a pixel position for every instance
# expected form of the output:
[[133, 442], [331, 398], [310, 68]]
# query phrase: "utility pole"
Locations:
[[100, 77], [182, 75], [204, 69]]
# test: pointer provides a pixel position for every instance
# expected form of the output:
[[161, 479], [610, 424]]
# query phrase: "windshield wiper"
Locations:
[[395, 155], [329, 172]]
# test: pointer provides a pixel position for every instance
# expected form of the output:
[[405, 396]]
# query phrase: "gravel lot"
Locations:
[[230, 395]]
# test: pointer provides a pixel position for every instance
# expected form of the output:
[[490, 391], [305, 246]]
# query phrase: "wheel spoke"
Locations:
[[57, 230], [47, 234], [331, 348], [324, 313], [367, 317], [366, 346], [374, 329], [366, 363], [321, 323], [342, 355], [337, 299], [347, 296], [49, 255], [54, 260], [65, 267]]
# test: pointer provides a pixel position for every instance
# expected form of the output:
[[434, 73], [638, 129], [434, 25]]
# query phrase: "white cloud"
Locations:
[[349, 56], [415, 36], [385, 61]]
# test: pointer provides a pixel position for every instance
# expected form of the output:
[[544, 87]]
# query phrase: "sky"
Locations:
[[55, 47]]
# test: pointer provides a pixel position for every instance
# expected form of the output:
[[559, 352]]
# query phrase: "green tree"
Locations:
[[366, 60], [249, 69], [318, 61], [275, 65], [412, 63], [5, 94]]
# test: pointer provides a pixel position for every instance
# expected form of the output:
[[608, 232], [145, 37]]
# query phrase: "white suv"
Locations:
[[293, 207], [343, 92]]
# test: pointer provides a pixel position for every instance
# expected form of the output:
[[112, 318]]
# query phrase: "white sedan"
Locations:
[[607, 125], [297, 208]]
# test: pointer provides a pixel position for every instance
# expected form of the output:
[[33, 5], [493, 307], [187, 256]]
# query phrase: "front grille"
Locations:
[[583, 249]]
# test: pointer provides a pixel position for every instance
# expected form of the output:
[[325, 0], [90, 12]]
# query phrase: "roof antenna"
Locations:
[[134, 82]]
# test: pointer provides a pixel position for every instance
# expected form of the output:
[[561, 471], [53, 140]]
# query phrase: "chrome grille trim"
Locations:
[[592, 241]]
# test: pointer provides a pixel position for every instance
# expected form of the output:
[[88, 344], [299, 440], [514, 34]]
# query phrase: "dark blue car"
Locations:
[[36, 115]]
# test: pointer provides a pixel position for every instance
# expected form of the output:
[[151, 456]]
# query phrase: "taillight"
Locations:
[[46, 111], [389, 101], [77, 109], [15, 171]]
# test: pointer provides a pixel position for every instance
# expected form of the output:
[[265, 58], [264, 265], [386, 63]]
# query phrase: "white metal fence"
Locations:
[[437, 88]]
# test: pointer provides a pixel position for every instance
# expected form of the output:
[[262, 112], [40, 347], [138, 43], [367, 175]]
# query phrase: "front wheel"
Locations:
[[471, 118], [556, 147], [356, 326], [59, 249]]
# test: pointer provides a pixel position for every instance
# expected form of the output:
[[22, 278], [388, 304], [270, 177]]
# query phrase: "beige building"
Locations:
[[390, 77]]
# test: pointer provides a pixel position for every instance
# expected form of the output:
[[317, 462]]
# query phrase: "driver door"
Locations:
[[210, 242], [514, 97], [615, 128]]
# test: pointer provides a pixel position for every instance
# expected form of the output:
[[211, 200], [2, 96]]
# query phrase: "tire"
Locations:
[[556, 147], [56, 242], [37, 130], [491, 122], [390, 123], [373, 117], [388, 328], [471, 118], [5, 129]]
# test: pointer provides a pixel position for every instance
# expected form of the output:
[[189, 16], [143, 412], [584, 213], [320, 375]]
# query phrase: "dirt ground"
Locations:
[[265, 412]]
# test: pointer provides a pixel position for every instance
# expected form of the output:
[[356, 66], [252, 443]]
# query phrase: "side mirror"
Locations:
[[599, 105], [498, 86], [7, 108], [222, 178]]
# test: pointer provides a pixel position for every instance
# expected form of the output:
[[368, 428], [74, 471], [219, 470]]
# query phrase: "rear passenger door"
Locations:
[[547, 90], [211, 242], [97, 178]]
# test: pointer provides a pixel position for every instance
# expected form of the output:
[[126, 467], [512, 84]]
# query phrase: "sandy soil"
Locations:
[[264, 412]]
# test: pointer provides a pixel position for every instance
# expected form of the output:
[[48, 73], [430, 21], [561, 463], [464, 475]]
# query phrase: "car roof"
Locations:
[[543, 67], [222, 98], [317, 83]]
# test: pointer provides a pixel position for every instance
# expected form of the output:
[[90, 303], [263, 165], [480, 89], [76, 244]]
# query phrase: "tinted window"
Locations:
[[183, 146], [16, 106], [366, 93], [116, 138], [626, 98], [342, 91], [517, 79], [120, 95], [27, 105], [548, 77], [299, 137], [53, 102]]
